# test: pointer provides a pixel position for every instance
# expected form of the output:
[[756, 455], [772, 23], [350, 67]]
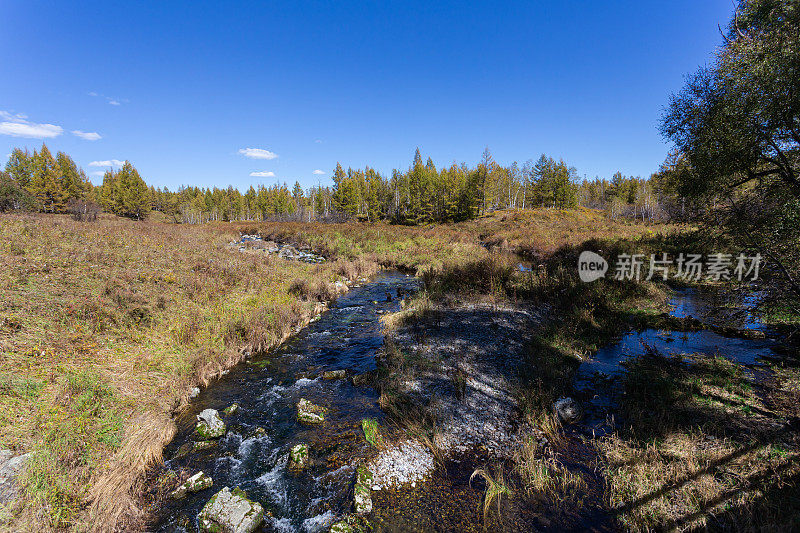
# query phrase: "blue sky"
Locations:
[[206, 93]]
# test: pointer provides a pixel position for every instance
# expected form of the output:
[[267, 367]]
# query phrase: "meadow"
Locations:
[[107, 326]]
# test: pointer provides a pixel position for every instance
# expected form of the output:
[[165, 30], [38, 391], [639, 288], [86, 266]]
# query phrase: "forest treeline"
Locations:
[[422, 194]]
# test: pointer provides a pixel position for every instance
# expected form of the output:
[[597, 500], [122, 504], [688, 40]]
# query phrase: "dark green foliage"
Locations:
[[736, 127], [12, 195], [421, 195]]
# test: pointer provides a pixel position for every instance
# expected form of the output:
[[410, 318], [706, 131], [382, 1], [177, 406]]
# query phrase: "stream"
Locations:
[[717, 308], [253, 453]]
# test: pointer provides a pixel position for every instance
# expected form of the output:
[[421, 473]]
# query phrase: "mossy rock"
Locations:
[[351, 524], [188, 447], [298, 457], [364, 476], [231, 409], [362, 491], [196, 483], [230, 511], [309, 413], [209, 425], [334, 374], [203, 445]]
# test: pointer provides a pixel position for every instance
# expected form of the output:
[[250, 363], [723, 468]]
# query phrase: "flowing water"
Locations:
[[252, 455]]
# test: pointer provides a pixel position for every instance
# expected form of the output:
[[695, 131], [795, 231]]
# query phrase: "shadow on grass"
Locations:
[[700, 449]]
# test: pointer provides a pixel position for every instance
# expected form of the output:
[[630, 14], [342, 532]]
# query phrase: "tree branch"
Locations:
[[766, 252]]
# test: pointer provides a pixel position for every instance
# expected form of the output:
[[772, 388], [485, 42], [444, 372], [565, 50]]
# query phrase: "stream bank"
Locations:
[[447, 397], [260, 434]]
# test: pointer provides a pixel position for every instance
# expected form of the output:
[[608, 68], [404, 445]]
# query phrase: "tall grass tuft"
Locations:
[[496, 488], [371, 432]]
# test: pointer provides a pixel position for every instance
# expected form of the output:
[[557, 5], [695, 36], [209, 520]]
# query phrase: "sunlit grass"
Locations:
[[372, 432], [105, 327]]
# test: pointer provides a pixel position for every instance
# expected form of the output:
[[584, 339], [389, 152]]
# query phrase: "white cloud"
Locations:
[[318, 172], [265, 174], [87, 135], [107, 163], [18, 126], [30, 130], [97, 173], [257, 153], [109, 99]]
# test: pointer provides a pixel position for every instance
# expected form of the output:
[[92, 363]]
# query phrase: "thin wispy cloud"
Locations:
[[97, 173], [264, 174], [318, 141], [318, 172], [87, 135], [107, 163], [257, 153], [17, 125], [110, 99]]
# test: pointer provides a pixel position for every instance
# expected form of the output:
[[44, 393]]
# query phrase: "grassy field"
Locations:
[[530, 233], [105, 327], [705, 447], [704, 443]]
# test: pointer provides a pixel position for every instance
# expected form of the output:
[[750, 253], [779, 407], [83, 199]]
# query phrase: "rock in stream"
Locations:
[[231, 512]]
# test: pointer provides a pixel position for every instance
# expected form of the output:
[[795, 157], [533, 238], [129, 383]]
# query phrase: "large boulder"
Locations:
[[309, 413], [230, 512], [10, 467], [209, 425]]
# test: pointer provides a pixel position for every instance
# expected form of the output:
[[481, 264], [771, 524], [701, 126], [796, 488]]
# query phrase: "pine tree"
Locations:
[[345, 192], [125, 193]]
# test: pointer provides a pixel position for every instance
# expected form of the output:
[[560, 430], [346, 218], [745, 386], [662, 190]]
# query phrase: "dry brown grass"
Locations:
[[105, 327], [532, 233], [701, 450], [496, 489], [543, 475], [114, 488], [691, 481]]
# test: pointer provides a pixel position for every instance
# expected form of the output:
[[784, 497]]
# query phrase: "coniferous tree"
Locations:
[[19, 166], [45, 184]]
